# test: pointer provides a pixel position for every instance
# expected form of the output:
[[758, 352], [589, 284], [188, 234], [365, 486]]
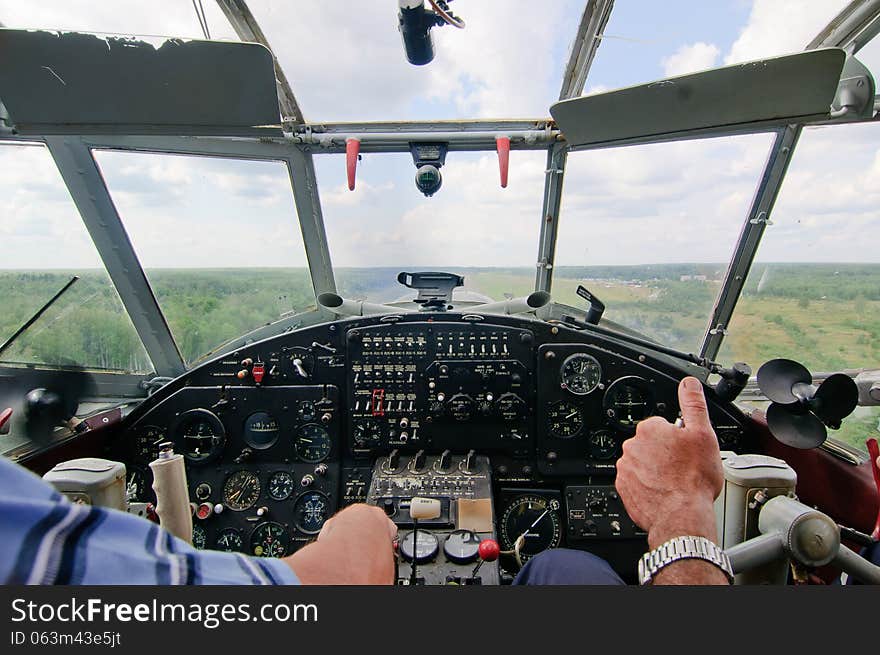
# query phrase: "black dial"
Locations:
[[241, 490], [269, 540], [229, 540], [424, 549], [580, 373], [564, 420], [261, 430], [511, 407], [200, 537], [367, 434], [301, 363], [461, 407], [280, 485], [307, 411], [603, 445], [536, 519], [462, 547], [311, 511], [312, 443], [628, 401], [199, 435], [146, 442]]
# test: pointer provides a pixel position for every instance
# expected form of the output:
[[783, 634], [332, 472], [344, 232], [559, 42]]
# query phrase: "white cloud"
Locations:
[[777, 27], [690, 58]]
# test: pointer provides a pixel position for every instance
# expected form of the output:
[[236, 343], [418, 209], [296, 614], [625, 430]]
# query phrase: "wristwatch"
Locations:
[[678, 548]]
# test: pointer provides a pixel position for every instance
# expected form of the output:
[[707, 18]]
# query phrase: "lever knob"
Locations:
[[489, 550]]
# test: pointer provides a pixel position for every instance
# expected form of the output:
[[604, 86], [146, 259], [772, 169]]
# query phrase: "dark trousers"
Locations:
[[562, 566]]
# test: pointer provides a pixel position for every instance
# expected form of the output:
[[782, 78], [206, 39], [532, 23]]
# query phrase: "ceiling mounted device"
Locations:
[[415, 24], [799, 410]]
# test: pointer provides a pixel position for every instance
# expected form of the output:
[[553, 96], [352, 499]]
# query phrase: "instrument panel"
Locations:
[[281, 434]]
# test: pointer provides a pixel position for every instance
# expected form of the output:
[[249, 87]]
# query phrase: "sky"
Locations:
[[679, 202]]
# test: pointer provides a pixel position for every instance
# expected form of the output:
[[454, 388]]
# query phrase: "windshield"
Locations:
[[45, 244], [471, 227], [236, 260]]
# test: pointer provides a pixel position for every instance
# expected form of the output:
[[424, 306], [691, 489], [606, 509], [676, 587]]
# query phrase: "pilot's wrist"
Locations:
[[696, 518]]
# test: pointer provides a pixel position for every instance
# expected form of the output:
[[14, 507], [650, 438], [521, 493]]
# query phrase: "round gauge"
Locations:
[[229, 540], [241, 490], [603, 445], [301, 363], [511, 407], [462, 547], [728, 439], [307, 411], [628, 401], [580, 373], [536, 519], [200, 537], [146, 442], [310, 511], [269, 540], [260, 430], [312, 443], [280, 485], [367, 434], [425, 548], [564, 420], [461, 407], [199, 435]]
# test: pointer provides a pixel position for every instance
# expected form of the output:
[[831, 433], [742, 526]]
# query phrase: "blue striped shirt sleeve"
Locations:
[[45, 539]]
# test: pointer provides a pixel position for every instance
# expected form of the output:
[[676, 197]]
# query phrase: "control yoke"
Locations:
[[791, 529]]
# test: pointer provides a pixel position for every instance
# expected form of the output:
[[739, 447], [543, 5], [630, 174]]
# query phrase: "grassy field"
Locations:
[[824, 315]]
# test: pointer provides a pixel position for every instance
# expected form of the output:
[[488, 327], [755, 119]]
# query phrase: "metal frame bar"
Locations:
[[847, 27], [246, 27], [557, 155], [80, 173], [586, 43], [750, 236]]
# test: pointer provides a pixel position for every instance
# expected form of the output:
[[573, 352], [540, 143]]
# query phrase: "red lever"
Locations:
[[5, 415], [502, 144], [352, 150], [874, 452]]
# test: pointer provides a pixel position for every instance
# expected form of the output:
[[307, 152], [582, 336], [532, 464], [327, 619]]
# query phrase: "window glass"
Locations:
[[650, 229], [813, 293], [45, 245], [471, 226], [218, 239]]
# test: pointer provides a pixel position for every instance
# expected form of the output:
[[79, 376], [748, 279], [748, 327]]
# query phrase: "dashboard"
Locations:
[[514, 424]]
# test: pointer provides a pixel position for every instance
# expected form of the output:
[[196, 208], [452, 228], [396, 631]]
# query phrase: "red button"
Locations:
[[204, 511], [258, 372]]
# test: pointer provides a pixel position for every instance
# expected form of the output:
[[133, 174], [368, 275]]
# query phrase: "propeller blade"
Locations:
[[836, 398], [777, 377], [796, 430]]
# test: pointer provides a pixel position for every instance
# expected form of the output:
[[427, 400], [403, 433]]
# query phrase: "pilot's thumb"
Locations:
[[693, 404]]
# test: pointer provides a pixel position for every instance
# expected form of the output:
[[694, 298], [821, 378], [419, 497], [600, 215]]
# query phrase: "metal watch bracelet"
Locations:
[[679, 548]]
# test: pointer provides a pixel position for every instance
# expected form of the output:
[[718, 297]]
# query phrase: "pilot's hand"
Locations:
[[355, 547], [669, 476]]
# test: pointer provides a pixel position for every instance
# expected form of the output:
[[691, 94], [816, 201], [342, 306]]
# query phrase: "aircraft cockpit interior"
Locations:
[[228, 316]]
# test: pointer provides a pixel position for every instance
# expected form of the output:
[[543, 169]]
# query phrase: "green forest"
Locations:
[[825, 315]]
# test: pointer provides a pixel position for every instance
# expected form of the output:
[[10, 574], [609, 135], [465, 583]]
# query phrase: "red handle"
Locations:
[[502, 144], [874, 452], [5, 415], [352, 150]]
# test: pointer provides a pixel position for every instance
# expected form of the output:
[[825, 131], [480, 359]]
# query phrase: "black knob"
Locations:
[[389, 507]]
